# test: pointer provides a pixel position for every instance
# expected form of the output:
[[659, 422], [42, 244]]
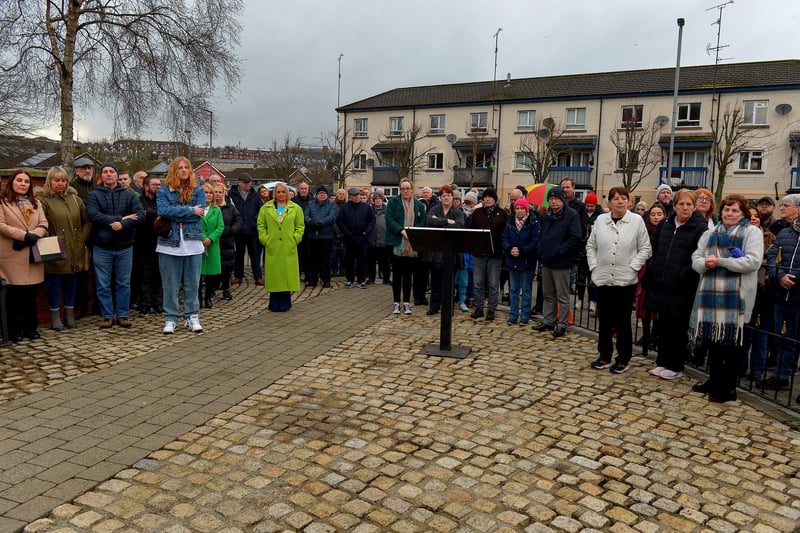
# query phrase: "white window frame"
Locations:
[[439, 121], [638, 111], [751, 161], [437, 158], [479, 122], [522, 161], [395, 126], [754, 112], [360, 162], [576, 118], [685, 118], [363, 131], [482, 157], [569, 159], [526, 120]]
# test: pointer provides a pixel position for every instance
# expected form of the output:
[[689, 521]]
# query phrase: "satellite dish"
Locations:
[[370, 162], [783, 109], [662, 121], [544, 133], [451, 138], [549, 123]]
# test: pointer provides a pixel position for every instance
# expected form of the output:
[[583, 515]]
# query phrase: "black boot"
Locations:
[[208, 303], [226, 295]]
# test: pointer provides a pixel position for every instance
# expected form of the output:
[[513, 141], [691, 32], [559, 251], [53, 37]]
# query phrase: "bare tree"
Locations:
[[405, 154], [287, 156], [341, 156], [638, 151], [539, 149], [134, 58], [731, 137]]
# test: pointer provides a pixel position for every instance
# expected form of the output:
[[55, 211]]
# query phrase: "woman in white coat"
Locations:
[[617, 249]]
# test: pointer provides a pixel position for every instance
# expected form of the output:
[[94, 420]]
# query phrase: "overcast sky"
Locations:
[[290, 49]]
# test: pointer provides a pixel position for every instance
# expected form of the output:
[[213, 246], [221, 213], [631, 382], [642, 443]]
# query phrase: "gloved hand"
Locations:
[[31, 238], [736, 252], [314, 225], [18, 245]]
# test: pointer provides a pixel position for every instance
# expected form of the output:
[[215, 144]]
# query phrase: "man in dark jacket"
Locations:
[[146, 277], [320, 218], [83, 182], [303, 198], [114, 213], [356, 220], [561, 242], [248, 203], [486, 272]]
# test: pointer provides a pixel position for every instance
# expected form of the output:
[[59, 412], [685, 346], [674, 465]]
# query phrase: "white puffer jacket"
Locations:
[[616, 252]]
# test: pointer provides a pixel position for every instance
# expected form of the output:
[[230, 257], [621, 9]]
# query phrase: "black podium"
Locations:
[[449, 241]]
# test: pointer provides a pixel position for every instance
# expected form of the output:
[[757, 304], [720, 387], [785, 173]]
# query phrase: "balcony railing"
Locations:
[[581, 176], [684, 176], [385, 176], [469, 177], [795, 180]]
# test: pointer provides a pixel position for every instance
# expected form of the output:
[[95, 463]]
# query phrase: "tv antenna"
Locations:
[[716, 49]]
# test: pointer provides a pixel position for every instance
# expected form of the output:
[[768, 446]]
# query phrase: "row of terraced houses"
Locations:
[[476, 134]]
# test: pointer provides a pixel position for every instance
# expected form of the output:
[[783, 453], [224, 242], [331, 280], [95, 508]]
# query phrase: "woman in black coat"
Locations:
[[227, 245], [670, 283]]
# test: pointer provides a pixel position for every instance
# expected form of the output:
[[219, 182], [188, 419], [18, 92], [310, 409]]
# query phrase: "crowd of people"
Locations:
[[704, 281]]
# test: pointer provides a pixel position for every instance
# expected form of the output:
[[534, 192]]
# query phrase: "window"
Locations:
[[574, 159], [523, 162], [576, 118], [751, 160], [755, 112], [360, 127], [360, 162], [622, 160], [395, 126], [688, 115], [478, 122], [631, 116], [483, 160], [436, 161], [437, 124], [526, 120]]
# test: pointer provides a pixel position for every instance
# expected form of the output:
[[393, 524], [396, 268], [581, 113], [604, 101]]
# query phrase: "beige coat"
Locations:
[[15, 266]]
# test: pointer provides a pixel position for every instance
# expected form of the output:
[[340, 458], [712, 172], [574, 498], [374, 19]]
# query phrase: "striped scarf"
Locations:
[[719, 302]]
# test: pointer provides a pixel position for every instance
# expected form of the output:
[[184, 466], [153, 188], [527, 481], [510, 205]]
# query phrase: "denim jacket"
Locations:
[[169, 206]]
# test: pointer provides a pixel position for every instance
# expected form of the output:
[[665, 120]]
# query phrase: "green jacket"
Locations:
[[395, 219], [83, 188], [213, 226], [280, 236], [66, 218]]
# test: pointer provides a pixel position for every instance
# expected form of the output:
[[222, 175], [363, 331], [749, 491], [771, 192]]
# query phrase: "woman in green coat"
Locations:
[[213, 226], [66, 217], [281, 225]]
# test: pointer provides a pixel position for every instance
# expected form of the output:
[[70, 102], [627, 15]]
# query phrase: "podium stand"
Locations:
[[449, 241]]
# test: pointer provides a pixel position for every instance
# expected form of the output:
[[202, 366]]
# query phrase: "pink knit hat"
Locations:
[[524, 203]]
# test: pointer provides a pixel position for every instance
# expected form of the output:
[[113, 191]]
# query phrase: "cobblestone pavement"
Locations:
[[522, 435]]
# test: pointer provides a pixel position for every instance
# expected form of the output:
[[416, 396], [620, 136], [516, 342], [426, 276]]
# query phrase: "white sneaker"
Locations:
[[193, 323], [169, 327], [578, 305], [657, 370], [670, 374], [593, 307], [407, 308], [396, 308], [463, 307]]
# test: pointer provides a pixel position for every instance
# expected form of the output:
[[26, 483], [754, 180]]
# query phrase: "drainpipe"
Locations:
[[597, 156], [675, 102], [497, 151]]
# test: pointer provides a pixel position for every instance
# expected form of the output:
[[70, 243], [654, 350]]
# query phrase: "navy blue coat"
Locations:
[[248, 206], [356, 220], [105, 206], [786, 245], [320, 220], [562, 239], [526, 240]]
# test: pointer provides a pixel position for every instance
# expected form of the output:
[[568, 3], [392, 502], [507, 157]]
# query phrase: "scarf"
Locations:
[[719, 302], [520, 222], [404, 248]]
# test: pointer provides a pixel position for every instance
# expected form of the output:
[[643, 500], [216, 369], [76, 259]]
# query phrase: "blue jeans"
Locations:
[[486, 274], [173, 269], [58, 284], [787, 315], [116, 265], [520, 283]]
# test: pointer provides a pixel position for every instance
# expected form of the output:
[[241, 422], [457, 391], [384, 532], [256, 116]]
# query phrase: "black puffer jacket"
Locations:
[[669, 279], [227, 242]]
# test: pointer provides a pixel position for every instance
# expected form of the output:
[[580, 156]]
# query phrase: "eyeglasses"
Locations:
[[704, 199]]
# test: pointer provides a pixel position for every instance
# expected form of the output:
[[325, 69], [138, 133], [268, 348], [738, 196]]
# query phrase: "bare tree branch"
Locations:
[[638, 152], [539, 148]]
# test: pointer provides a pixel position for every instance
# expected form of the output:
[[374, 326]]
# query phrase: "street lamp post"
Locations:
[[188, 134], [681, 22], [338, 93]]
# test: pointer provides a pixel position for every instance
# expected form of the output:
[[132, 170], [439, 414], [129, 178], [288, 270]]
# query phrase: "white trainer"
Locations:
[[407, 308], [193, 323], [670, 374], [396, 308], [169, 327], [657, 370], [463, 307]]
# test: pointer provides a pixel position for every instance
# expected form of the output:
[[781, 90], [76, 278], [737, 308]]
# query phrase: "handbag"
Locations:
[[162, 227], [48, 249]]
